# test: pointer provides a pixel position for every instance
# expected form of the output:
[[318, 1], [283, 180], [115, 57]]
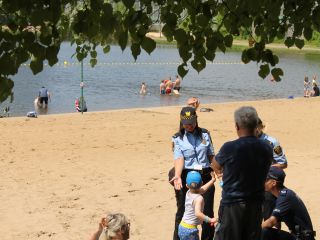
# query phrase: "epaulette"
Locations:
[[283, 192], [177, 134], [205, 130]]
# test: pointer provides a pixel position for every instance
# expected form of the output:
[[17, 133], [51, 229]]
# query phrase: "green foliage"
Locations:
[[33, 30]]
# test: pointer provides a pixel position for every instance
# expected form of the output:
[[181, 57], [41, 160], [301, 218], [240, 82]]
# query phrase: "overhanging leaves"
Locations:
[[276, 73], [148, 44], [198, 63], [199, 28], [36, 65], [264, 70], [123, 40], [6, 86], [182, 71]]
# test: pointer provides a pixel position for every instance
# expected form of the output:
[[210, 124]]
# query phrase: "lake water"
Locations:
[[115, 82]]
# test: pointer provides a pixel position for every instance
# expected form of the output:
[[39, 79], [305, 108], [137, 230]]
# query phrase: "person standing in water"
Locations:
[[143, 89], [176, 85], [162, 87], [44, 96]]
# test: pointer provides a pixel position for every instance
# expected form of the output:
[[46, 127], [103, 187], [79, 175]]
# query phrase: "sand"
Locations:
[[60, 173]]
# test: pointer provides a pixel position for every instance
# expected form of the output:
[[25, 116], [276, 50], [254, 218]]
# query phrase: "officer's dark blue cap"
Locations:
[[188, 115], [277, 174]]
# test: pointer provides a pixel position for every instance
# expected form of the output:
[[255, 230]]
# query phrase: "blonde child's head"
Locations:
[[117, 227]]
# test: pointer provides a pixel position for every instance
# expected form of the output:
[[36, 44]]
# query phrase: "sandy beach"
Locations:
[[60, 173]]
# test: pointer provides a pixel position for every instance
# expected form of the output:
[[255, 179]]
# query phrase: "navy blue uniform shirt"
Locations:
[[291, 210], [246, 162]]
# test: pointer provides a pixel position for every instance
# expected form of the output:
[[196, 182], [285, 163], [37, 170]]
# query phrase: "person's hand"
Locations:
[[213, 176], [177, 182], [219, 175], [213, 222], [102, 224]]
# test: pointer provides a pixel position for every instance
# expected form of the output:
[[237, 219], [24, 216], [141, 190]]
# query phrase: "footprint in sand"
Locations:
[[133, 190], [114, 196]]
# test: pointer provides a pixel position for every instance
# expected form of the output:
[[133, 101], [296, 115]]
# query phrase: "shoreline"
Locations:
[[61, 172], [149, 107], [245, 44]]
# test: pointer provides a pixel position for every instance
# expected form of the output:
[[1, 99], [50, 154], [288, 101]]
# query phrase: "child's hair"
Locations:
[[117, 222], [194, 186]]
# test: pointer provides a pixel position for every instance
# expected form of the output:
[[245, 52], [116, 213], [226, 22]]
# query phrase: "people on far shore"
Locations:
[[307, 87], [114, 226], [143, 88], [314, 79], [315, 91]]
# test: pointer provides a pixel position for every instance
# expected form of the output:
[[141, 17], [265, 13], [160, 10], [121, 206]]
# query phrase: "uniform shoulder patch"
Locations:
[[203, 130], [269, 142], [278, 150], [283, 192]]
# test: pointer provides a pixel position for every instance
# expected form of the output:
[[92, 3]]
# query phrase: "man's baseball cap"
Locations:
[[188, 115], [276, 173], [194, 180]]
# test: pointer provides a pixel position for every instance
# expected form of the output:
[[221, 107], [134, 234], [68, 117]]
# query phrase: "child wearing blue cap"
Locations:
[[194, 204]]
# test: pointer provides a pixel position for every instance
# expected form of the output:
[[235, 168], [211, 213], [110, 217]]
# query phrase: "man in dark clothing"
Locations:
[[289, 209], [244, 164]]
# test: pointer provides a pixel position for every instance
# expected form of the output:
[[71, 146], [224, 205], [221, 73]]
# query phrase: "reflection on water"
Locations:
[[115, 82]]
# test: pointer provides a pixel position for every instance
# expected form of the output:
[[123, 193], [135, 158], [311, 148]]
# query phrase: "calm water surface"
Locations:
[[114, 83]]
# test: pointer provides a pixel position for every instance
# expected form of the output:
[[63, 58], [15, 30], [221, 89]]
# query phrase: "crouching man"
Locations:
[[289, 209]]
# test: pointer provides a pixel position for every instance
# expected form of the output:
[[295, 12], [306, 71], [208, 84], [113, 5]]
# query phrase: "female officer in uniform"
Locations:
[[193, 150]]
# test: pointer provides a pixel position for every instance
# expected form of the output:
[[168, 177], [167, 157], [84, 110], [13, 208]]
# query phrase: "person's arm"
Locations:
[[279, 156], [211, 157], [198, 206], [178, 167], [218, 169], [208, 185], [96, 234], [283, 166], [178, 164], [270, 222]]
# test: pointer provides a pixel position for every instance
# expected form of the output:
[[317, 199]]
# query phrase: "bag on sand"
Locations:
[[32, 114]]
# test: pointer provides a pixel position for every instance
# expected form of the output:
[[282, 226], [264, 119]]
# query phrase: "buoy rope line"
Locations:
[[66, 63]]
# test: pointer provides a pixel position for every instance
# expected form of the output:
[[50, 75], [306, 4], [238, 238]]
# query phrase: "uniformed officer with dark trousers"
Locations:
[[193, 151], [289, 209], [279, 160]]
